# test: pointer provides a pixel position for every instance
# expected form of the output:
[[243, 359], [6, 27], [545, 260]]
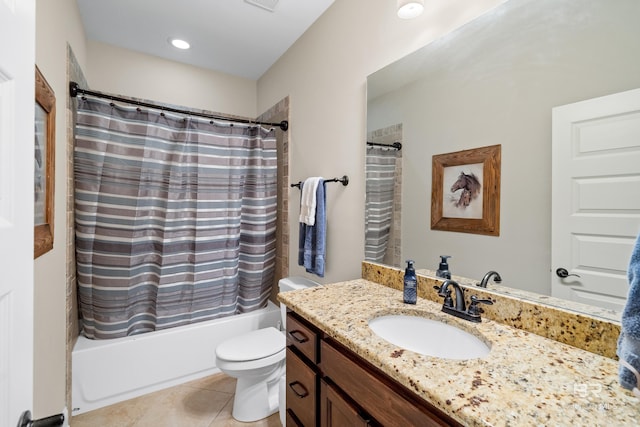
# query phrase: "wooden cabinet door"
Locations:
[[336, 411]]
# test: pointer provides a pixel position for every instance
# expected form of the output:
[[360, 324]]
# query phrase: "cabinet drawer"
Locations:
[[301, 389], [381, 397], [303, 337]]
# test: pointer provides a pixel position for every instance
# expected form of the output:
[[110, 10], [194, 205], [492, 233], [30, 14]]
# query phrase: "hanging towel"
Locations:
[[629, 340], [308, 200], [312, 238]]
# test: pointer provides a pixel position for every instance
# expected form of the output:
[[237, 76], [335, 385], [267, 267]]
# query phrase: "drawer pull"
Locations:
[[298, 336], [298, 385], [366, 420]]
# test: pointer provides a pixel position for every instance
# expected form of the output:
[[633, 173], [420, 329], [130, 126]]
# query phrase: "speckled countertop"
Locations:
[[526, 380]]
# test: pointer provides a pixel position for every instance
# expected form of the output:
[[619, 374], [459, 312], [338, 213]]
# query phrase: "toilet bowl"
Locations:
[[257, 360]]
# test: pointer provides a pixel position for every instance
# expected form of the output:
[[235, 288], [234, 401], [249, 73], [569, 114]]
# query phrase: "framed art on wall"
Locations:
[[44, 167], [465, 193]]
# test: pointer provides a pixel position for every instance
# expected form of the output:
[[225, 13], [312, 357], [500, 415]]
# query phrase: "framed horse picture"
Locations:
[[465, 193]]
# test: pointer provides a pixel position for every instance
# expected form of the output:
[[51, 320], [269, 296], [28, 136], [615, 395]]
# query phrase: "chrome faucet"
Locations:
[[487, 277], [460, 310]]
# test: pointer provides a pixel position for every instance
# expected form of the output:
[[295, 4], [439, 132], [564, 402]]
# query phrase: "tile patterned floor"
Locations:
[[202, 403]]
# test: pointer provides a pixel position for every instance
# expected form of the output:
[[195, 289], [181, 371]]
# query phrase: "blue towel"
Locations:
[[312, 238], [629, 340]]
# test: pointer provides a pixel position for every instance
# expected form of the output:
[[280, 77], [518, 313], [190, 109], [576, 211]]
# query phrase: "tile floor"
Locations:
[[206, 402]]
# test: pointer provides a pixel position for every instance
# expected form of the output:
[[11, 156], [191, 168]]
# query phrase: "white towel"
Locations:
[[308, 200]]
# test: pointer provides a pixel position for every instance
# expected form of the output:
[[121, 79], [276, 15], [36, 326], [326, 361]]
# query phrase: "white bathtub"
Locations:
[[109, 371]]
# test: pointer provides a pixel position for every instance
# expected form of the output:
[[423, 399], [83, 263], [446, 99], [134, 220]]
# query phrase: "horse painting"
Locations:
[[470, 187]]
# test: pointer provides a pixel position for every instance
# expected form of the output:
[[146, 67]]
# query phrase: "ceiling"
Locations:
[[230, 36]]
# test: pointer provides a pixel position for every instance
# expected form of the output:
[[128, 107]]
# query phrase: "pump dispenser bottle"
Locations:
[[443, 269], [410, 293]]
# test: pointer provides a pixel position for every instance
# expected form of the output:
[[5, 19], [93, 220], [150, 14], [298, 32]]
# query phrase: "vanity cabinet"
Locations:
[[329, 385], [303, 373]]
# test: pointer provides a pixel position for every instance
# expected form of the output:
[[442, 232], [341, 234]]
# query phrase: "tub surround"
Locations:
[[563, 321], [527, 379]]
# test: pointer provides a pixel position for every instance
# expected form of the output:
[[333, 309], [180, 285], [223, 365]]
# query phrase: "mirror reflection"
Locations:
[[497, 80]]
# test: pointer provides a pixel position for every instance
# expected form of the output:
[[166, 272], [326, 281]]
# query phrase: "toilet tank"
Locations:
[[291, 284]]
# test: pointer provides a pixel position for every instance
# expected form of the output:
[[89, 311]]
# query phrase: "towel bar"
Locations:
[[344, 180]]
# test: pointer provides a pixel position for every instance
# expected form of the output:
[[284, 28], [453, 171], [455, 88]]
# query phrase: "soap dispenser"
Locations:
[[410, 292], [443, 269]]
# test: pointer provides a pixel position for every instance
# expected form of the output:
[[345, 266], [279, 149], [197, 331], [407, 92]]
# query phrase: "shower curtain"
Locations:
[[175, 218], [380, 183]]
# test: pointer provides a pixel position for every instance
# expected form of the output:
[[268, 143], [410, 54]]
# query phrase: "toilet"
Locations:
[[257, 360]]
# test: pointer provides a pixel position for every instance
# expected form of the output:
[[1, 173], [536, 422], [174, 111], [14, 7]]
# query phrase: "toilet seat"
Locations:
[[253, 345], [234, 368]]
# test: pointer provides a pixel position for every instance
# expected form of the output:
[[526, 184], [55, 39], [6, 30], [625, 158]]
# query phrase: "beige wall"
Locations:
[[57, 23], [324, 74], [115, 70]]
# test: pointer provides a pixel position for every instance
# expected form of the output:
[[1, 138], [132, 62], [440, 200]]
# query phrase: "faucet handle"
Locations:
[[448, 301], [473, 307]]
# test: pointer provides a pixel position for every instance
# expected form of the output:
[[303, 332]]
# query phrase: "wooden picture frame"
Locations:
[[465, 194], [44, 166]]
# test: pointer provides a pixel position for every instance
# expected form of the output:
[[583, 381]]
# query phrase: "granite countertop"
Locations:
[[525, 380]]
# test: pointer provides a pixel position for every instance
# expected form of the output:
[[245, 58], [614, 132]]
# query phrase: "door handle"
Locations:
[[52, 421], [563, 273]]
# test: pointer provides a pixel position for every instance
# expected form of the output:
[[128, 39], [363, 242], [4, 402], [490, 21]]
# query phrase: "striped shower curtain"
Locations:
[[175, 218], [380, 182]]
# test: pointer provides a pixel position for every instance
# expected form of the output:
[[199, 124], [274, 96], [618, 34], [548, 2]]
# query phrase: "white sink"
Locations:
[[429, 337]]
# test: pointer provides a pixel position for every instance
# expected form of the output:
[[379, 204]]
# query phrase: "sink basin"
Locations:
[[429, 337]]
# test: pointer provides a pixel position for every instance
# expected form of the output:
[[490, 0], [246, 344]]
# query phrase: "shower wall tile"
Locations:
[[277, 113]]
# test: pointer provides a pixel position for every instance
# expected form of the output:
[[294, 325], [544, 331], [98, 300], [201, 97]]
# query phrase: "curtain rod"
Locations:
[[396, 145], [74, 90]]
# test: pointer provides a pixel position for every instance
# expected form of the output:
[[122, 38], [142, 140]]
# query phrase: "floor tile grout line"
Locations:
[[222, 410]]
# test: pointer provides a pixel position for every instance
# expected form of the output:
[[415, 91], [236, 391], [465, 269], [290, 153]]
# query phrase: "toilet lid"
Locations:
[[253, 345]]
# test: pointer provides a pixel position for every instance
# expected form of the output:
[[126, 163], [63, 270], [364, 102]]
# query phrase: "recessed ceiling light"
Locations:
[[408, 9], [180, 44]]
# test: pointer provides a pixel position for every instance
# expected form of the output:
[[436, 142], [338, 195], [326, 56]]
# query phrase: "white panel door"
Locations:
[[595, 197], [17, 97]]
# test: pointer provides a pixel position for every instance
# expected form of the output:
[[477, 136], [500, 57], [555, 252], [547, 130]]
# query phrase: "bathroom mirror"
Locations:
[[495, 81]]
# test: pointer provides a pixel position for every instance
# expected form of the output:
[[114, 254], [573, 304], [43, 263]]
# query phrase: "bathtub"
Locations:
[[105, 372]]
